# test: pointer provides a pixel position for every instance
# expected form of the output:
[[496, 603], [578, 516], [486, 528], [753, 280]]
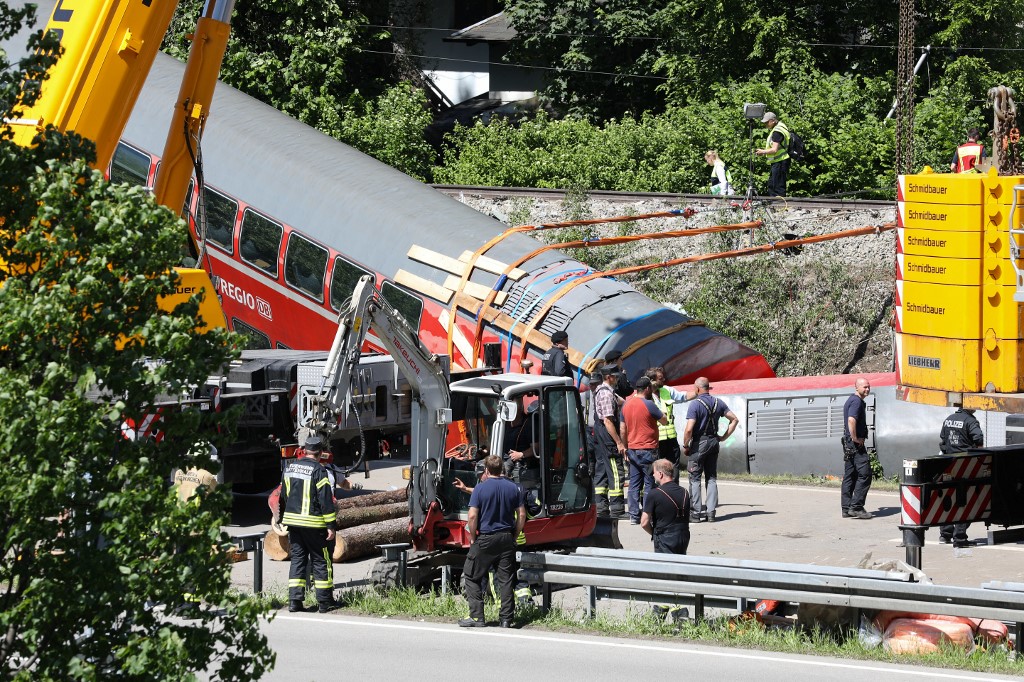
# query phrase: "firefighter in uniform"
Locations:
[[307, 509], [623, 389], [611, 449], [960, 431]]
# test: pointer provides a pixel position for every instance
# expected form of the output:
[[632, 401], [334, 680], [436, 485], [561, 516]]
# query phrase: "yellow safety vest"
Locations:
[[663, 399], [783, 152]]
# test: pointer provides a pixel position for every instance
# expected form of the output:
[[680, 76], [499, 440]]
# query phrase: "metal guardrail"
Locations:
[[645, 576]]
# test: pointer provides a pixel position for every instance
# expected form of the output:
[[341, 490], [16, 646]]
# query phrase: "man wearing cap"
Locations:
[[700, 444], [614, 359], [307, 509], [554, 363], [640, 420], [776, 149], [611, 449]]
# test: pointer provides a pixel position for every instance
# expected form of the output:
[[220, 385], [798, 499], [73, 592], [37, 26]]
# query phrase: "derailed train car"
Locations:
[[293, 218], [793, 425]]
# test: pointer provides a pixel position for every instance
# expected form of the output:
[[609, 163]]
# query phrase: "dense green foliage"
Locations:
[[97, 549], [841, 118], [632, 56]]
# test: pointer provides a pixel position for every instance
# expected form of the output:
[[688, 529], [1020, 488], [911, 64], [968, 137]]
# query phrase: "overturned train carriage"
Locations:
[[293, 218]]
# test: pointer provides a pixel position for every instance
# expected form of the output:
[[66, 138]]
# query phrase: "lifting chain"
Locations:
[[905, 89], [1005, 135]]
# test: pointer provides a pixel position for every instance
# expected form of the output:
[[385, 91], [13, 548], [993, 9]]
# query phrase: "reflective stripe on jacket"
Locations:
[[968, 155], [307, 498]]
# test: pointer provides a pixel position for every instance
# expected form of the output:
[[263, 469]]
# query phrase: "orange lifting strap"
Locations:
[[784, 244]]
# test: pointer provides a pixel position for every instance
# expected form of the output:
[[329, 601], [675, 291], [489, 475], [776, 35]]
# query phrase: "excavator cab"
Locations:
[[513, 412]]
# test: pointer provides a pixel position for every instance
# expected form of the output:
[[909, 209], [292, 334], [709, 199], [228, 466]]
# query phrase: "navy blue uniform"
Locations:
[[497, 500], [960, 431], [857, 463]]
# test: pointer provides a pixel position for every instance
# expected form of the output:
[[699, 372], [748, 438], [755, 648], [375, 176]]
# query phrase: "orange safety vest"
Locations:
[[968, 155]]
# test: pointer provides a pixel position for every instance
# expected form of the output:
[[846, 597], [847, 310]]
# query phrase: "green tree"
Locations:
[[390, 128], [96, 548]]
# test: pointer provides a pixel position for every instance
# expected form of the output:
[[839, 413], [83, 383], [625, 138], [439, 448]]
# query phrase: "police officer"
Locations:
[[960, 431], [307, 509], [554, 363]]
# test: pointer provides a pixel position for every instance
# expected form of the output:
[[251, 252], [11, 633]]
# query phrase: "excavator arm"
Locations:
[[431, 407]]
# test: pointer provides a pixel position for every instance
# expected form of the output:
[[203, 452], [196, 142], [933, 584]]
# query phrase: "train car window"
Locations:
[[405, 303], [305, 265], [129, 166], [188, 200], [254, 338], [343, 280], [260, 241], [221, 212], [281, 346]]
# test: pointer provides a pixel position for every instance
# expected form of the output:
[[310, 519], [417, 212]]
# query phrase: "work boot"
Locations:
[[472, 623], [327, 606], [296, 606]]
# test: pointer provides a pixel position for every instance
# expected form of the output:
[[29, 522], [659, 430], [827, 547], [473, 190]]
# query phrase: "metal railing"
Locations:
[[731, 583]]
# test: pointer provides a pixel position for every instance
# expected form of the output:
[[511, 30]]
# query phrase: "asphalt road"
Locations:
[[317, 647]]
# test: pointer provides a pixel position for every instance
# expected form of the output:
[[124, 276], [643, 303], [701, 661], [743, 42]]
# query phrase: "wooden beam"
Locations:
[[424, 286], [436, 260], [491, 265], [477, 291]]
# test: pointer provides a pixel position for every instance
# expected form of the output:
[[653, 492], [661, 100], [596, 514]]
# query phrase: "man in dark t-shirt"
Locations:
[[496, 517], [666, 514], [857, 463]]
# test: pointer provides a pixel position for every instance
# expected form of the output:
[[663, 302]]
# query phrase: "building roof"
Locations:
[[494, 29]]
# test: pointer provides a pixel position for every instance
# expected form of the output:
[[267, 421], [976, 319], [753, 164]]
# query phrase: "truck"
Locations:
[[454, 425]]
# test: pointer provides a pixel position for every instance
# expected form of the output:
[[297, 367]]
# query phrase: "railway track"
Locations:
[[843, 204]]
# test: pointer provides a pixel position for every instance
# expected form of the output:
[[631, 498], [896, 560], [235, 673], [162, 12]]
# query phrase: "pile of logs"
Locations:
[[363, 522]]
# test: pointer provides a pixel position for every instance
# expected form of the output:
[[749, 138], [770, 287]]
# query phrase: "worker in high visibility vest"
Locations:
[[665, 397], [776, 151], [968, 155]]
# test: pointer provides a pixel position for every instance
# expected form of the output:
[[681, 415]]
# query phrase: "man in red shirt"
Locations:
[[639, 429]]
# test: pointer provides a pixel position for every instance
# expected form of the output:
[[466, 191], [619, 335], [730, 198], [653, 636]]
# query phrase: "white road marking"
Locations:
[[496, 632]]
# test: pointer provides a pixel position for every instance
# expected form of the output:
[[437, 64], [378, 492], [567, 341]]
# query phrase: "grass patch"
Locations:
[[639, 622]]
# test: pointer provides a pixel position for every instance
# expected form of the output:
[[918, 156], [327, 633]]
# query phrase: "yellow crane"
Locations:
[[109, 48]]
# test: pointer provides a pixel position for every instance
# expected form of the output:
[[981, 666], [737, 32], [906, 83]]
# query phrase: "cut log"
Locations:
[[373, 499], [276, 546], [361, 541], [357, 516]]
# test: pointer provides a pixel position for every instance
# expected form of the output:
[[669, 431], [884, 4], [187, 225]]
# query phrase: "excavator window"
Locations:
[[566, 488]]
